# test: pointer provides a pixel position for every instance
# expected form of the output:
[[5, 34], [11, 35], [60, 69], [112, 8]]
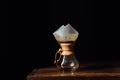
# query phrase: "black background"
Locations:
[[34, 45]]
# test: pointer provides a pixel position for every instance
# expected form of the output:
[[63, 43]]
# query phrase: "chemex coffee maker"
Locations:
[[66, 37]]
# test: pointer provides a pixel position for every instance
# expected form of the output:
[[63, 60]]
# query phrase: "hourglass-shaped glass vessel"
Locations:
[[66, 37]]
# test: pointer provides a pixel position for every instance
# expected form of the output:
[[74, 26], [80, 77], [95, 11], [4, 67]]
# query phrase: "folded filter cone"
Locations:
[[66, 33]]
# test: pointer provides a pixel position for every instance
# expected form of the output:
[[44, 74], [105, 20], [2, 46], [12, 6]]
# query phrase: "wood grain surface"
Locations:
[[87, 71]]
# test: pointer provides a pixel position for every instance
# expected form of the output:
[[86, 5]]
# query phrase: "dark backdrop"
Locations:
[[35, 22]]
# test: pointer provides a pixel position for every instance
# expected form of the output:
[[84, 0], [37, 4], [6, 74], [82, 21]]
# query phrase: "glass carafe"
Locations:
[[66, 37]]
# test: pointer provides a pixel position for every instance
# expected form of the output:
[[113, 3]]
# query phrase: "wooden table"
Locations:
[[91, 71]]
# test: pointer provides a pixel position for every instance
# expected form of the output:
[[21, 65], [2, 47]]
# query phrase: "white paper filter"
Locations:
[[66, 33]]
